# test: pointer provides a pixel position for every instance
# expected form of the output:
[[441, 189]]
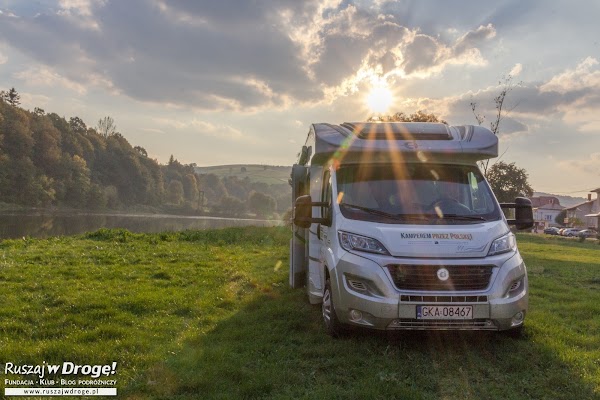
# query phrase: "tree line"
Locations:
[[236, 196], [49, 161]]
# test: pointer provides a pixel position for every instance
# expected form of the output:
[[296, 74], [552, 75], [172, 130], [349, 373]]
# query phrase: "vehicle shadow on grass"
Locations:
[[275, 347]]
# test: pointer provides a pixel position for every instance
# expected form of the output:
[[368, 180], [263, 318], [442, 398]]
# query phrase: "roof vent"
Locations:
[[399, 130]]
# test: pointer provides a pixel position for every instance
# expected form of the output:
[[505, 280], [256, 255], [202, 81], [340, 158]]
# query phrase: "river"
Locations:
[[17, 225]]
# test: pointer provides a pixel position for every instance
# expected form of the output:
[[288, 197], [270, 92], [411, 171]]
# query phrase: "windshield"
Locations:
[[415, 193]]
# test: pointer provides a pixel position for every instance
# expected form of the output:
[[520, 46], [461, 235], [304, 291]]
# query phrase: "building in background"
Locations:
[[545, 211], [585, 214]]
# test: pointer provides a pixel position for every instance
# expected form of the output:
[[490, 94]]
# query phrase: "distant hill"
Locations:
[[566, 201], [269, 174]]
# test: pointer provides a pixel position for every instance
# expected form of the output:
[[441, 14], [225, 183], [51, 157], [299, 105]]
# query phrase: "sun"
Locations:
[[379, 99]]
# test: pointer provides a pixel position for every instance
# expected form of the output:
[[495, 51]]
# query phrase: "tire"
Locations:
[[333, 326]]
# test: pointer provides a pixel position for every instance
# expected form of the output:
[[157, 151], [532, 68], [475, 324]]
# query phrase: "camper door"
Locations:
[[298, 242]]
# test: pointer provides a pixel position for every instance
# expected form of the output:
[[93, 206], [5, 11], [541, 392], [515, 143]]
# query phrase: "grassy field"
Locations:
[[269, 174], [208, 314]]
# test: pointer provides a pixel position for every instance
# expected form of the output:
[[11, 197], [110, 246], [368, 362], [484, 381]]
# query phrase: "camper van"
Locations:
[[396, 228]]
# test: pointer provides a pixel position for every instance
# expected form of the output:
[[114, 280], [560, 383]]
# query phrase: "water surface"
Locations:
[[17, 225]]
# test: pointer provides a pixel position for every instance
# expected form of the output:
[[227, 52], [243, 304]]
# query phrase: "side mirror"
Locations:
[[523, 213], [303, 212]]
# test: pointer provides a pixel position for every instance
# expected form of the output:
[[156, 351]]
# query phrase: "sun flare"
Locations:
[[379, 99]]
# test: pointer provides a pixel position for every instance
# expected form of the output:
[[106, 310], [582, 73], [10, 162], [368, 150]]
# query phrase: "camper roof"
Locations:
[[419, 139]]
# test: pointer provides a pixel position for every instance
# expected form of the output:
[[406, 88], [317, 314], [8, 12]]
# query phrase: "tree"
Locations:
[[190, 187], [506, 86], [419, 116], [42, 191], [175, 192], [11, 97], [261, 204], [46, 149], [106, 127], [560, 218], [77, 181], [142, 151], [173, 162], [97, 198], [111, 194], [576, 222], [231, 205], [508, 181], [77, 125]]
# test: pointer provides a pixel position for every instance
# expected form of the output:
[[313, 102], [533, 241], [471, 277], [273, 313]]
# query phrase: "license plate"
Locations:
[[444, 312]]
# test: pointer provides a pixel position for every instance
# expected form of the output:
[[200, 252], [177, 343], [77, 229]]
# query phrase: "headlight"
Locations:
[[350, 241], [503, 244]]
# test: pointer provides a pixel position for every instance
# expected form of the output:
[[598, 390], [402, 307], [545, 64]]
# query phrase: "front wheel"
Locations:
[[333, 326]]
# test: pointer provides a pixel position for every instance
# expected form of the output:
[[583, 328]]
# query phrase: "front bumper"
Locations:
[[366, 296]]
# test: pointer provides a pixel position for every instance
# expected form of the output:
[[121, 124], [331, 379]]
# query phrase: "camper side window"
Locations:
[[478, 197], [326, 194]]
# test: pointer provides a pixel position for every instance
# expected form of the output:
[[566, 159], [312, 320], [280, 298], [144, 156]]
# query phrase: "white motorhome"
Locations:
[[395, 227]]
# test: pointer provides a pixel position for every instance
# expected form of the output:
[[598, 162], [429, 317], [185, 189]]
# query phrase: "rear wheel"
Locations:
[[333, 326]]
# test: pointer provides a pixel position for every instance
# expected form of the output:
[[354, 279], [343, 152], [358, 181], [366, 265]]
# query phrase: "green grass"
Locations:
[[209, 315]]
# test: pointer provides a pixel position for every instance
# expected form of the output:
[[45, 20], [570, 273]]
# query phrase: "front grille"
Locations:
[[444, 299], [472, 324], [425, 277]]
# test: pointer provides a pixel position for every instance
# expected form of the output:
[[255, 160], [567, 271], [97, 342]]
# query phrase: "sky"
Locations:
[[232, 82]]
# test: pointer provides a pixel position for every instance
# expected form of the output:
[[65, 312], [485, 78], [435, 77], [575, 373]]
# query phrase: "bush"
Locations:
[[105, 234]]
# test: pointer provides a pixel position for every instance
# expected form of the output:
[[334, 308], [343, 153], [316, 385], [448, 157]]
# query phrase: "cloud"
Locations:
[[578, 90], [83, 8], [44, 76], [572, 95], [516, 70], [153, 130], [470, 41], [243, 56], [80, 12], [30, 100], [3, 59], [199, 127], [591, 165], [585, 76]]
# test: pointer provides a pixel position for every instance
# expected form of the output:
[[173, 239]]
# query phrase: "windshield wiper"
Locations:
[[462, 217], [369, 210]]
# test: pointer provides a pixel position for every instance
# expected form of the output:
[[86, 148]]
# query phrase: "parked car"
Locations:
[[570, 232], [552, 230], [588, 233]]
